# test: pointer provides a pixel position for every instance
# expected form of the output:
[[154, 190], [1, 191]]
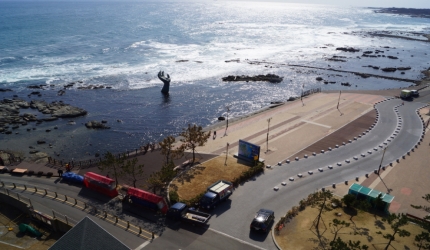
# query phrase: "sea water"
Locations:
[[123, 45]]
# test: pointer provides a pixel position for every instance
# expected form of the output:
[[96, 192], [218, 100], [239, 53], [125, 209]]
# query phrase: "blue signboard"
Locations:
[[248, 150]]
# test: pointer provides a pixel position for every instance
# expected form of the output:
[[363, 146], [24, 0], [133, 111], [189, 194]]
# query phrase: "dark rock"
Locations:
[[104, 121], [389, 69], [49, 119], [4, 90], [41, 142], [375, 67], [346, 84], [267, 78], [368, 52], [48, 130], [292, 98], [403, 68], [97, 155], [319, 78], [61, 92], [393, 57], [8, 132], [34, 87], [96, 125], [402, 73], [221, 118], [345, 49]]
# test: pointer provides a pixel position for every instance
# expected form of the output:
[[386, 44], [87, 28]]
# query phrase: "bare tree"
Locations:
[[192, 137], [396, 221], [113, 165], [133, 171], [167, 149], [336, 226]]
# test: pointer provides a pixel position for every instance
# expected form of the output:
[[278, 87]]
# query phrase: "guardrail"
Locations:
[[11, 188]]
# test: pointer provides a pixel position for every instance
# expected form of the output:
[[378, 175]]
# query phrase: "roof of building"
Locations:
[[88, 235]]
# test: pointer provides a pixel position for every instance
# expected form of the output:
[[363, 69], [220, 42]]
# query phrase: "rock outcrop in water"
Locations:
[[96, 125], [263, 78]]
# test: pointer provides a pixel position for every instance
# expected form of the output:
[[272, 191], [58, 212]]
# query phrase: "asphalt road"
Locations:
[[229, 225], [234, 217]]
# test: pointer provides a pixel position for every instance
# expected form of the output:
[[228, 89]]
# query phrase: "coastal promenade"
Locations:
[[295, 130]]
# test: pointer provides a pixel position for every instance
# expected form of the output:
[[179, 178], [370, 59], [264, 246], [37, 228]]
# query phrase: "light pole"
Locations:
[[226, 127], [226, 154], [382, 160], [268, 130]]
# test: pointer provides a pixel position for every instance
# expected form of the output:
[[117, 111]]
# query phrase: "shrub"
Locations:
[[49, 174], [40, 173], [174, 197], [31, 172]]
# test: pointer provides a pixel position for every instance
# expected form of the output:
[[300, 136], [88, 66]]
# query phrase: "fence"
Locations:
[[96, 161], [8, 188], [310, 91]]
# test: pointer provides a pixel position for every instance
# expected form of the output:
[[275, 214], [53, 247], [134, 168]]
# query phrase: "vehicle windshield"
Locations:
[[206, 200]]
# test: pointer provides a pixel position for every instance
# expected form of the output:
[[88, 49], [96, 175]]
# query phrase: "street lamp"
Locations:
[[268, 130], [226, 127], [379, 169], [226, 154]]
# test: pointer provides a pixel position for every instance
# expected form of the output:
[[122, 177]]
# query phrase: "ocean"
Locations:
[[123, 45]]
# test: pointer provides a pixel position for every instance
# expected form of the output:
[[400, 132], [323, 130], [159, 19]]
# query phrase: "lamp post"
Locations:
[[226, 127], [226, 154], [268, 130], [380, 165]]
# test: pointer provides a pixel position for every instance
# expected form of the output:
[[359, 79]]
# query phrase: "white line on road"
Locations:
[[143, 245], [318, 124], [234, 238]]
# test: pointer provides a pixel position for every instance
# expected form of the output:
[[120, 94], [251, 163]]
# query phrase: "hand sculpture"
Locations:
[[166, 81]]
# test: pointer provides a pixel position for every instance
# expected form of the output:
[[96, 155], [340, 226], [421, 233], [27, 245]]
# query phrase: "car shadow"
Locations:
[[258, 235], [180, 225], [221, 208]]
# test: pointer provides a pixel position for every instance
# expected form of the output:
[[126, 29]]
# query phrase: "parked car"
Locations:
[[263, 220]]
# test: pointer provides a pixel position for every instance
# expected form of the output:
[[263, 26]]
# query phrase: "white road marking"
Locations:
[[234, 238], [318, 124], [143, 245]]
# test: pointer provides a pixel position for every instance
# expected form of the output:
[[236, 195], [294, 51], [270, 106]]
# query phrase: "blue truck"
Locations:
[[217, 192], [180, 212]]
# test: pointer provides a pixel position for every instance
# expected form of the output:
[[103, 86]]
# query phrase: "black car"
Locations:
[[263, 220]]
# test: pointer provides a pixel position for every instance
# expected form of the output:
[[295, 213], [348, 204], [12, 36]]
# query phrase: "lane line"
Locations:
[[237, 239]]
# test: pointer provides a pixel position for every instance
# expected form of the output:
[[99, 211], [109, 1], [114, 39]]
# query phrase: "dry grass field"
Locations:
[[197, 179], [299, 233]]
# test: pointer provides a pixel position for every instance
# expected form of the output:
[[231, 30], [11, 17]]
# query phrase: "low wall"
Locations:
[[22, 206]]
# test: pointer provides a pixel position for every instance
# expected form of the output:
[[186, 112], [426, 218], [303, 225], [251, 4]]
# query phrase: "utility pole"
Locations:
[[268, 130], [226, 154], [380, 165], [226, 127], [338, 102]]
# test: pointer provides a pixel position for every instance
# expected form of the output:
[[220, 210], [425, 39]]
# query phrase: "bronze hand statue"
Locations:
[[166, 80]]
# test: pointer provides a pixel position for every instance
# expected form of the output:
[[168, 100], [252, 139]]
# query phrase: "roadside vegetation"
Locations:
[[324, 222]]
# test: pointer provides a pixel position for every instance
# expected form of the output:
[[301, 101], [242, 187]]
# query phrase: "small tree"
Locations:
[[113, 165], [425, 208], [339, 244], [423, 240], [167, 149], [336, 226], [133, 171], [160, 179], [349, 200], [396, 222], [192, 137]]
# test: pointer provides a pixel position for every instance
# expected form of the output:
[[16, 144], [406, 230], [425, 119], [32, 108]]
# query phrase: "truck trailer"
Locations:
[[180, 211]]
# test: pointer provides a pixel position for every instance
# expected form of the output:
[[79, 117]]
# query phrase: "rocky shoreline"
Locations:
[[424, 13]]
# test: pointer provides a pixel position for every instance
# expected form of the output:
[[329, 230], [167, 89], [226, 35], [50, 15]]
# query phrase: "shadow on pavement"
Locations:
[[178, 225], [221, 208], [257, 235]]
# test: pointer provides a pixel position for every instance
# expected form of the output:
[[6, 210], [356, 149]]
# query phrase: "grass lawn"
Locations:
[[300, 234], [197, 179]]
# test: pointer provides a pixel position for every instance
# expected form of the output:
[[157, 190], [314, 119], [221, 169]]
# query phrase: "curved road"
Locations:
[[398, 126], [401, 125]]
